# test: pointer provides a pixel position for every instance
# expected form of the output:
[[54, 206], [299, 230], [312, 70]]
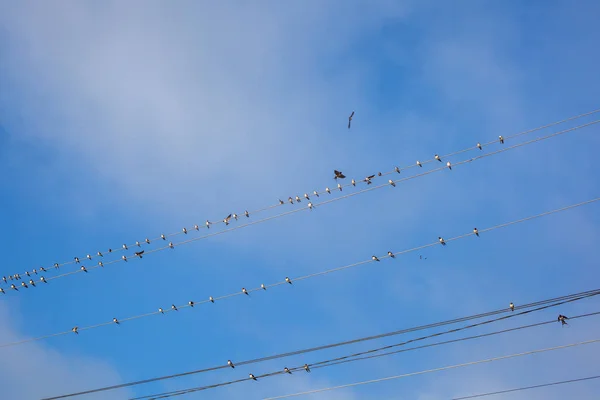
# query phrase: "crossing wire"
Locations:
[[357, 356], [560, 300], [466, 161], [288, 280]]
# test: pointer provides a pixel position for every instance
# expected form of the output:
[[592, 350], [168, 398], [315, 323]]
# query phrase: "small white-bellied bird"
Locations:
[[476, 232], [511, 306], [442, 241]]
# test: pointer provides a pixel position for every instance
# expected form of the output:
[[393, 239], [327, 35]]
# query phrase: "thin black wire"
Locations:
[[356, 356], [527, 388], [333, 345], [196, 227]]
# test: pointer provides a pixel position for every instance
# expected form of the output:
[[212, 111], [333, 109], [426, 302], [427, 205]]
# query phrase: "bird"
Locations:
[[160, 310], [379, 174], [262, 285], [2, 291], [163, 237], [31, 282], [442, 241], [397, 169], [298, 199], [247, 214], [315, 193], [173, 307], [339, 187], [290, 200], [438, 158], [338, 174], [391, 182], [235, 216], [226, 219], [124, 258], [252, 376], [147, 241], [43, 279], [327, 190], [42, 269], [184, 230], [476, 232], [191, 303], [24, 285], [288, 280], [171, 245], [124, 247], [391, 254], [501, 139], [100, 264], [139, 253], [89, 257], [368, 179], [74, 329], [353, 182], [306, 368], [511, 306], [138, 244], [350, 119], [116, 321], [310, 205], [230, 364], [4, 279], [212, 300], [479, 146], [208, 224], [562, 319], [76, 260], [449, 165], [83, 269], [245, 291], [419, 163], [110, 250], [196, 227], [12, 286], [375, 258], [287, 370], [280, 201], [27, 273]]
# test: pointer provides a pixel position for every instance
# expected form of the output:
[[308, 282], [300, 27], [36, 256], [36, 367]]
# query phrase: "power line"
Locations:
[[357, 356], [527, 387], [437, 369], [288, 280], [565, 298], [391, 183]]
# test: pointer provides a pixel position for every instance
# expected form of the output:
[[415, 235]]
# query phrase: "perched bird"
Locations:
[[419, 163], [83, 269], [196, 227], [280, 201], [437, 158], [306, 368], [375, 258], [2, 291], [350, 119], [4, 279], [208, 224], [124, 258], [246, 214], [76, 259], [290, 200], [339, 187], [58, 266], [31, 282], [100, 264], [147, 241], [479, 146], [397, 169], [442, 241], [235, 216], [288, 280], [173, 307], [338, 174], [353, 182], [110, 250], [262, 285], [163, 237], [139, 253], [138, 244], [475, 231], [245, 291], [379, 174], [298, 199], [449, 165], [562, 319], [43, 279], [315, 193], [511, 306], [226, 219], [212, 300], [230, 364], [191, 303], [27, 273], [368, 179], [391, 254], [252, 376], [310, 205], [116, 321], [75, 330], [391, 182], [327, 190], [124, 247], [501, 139], [184, 230], [171, 245], [89, 257], [12, 286], [160, 310], [287, 370]]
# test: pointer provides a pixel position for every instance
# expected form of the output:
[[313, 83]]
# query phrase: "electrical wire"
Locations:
[[437, 369], [527, 387], [357, 356], [391, 183], [561, 299], [288, 280]]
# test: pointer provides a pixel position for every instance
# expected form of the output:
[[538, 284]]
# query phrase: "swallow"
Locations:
[[27, 273], [298, 199], [288, 280], [476, 232], [511, 306], [252, 376], [327, 190], [208, 224], [173, 307], [442, 241], [184, 230], [290, 200], [391, 182], [245, 291], [147, 241], [4, 279], [350, 119], [419, 163], [124, 247], [138, 244], [12, 286], [196, 227], [74, 330], [230, 364], [437, 158], [339, 187], [315, 193], [353, 182], [76, 260], [124, 258], [449, 165], [100, 264], [2, 291], [31, 282], [310, 205], [116, 321], [226, 219], [171, 245], [379, 174], [58, 266], [338, 174], [280, 201], [42, 269], [246, 214], [83, 269], [391, 254], [397, 169], [191, 303], [110, 250], [306, 368], [89, 257], [235, 216], [139, 253], [43, 279], [501, 139], [368, 179], [479, 146], [562, 319], [211, 299], [375, 258], [163, 237], [263, 287], [287, 370], [24, 285], [160, 310]]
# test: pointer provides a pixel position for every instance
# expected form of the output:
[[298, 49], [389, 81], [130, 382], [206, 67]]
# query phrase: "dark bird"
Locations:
[[397, 169], [368, 179], [338, 174], [191, 303], [75, 330], [139, 253], [562, 319], [350, 119], [475, 231], [421, 258], [280, 201], [226, 219], [2, 291], [247, 214], [306, 368]]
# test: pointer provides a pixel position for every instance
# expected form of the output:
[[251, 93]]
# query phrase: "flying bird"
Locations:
[[350, 119], [139, 253], [562, 319], [338, 174], [368, 179], [226, 219]]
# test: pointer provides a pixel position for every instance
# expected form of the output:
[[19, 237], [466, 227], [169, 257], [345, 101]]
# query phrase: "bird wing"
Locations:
[[342, 175], [336, 172], [352, 115], [349, 122], [371, 177]]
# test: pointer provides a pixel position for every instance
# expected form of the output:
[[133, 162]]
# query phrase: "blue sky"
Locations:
[[120, 121]]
